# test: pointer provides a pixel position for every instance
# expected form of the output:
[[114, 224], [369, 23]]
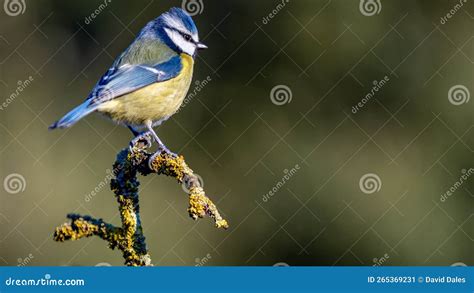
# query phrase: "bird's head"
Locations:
[[177, 30]]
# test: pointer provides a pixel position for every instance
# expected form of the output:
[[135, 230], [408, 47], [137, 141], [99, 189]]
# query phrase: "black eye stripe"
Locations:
[[186, 36]]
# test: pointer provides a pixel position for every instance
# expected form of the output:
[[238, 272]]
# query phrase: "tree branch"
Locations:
[[129, 238]]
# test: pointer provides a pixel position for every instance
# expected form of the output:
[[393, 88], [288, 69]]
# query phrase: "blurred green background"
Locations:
[[281, 94]]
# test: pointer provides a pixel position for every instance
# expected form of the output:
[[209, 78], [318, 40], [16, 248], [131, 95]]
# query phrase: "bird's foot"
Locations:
[[142, 140], [163, 149]]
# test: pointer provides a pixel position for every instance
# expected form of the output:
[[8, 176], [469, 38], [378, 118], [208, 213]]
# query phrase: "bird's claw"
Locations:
[[162, 149], [142, 141], [160, 152]]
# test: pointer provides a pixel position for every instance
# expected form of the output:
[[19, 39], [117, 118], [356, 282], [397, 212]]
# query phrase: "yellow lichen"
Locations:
[[129, 237]]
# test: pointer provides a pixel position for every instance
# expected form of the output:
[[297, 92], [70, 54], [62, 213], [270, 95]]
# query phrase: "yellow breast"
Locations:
[[155, 102]]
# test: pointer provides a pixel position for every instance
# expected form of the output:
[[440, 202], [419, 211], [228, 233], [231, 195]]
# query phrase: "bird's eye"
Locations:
[[187, 37]]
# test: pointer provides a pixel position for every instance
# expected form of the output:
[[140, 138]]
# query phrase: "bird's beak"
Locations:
[[201, 46]]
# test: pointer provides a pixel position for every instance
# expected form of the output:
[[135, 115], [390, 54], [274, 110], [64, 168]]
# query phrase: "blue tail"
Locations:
[[73, 116]]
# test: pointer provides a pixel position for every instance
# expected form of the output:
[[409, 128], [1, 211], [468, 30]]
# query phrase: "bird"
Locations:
[[148, 82]]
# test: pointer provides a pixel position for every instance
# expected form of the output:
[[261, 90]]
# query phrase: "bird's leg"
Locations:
[[140, 136], [161, 145], [133, 130]]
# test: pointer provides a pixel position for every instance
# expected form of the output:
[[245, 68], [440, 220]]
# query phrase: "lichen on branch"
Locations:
[[199, 204], [129, 238]]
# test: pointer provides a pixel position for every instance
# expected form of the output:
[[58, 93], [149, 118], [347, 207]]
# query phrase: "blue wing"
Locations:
[[127, 78], [119, 81]]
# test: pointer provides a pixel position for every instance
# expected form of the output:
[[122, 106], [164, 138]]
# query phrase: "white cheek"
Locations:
[[185, 46]]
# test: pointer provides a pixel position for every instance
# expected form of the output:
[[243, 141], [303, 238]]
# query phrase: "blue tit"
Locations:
[[149, 80]]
